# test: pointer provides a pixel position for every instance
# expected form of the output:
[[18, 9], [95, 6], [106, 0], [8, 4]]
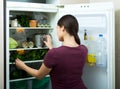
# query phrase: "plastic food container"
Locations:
[[33, 23]]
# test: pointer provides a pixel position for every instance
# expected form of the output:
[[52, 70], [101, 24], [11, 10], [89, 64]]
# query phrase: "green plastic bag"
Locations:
[[18, 85]]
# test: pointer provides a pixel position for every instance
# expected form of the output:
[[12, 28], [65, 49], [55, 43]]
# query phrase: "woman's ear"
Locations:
[[63, 28]]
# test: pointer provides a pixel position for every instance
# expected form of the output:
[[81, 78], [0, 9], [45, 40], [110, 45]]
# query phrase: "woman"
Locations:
[[65, 63]]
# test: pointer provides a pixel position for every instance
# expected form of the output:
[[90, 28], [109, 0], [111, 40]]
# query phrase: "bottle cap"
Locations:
[[100, 35]]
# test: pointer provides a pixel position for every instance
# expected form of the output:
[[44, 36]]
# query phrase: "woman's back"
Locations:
[[67, 65]]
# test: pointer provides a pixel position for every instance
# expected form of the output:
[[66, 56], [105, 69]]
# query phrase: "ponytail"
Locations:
[[77, 39]]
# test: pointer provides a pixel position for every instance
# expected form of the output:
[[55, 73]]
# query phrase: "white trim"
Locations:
[[27, 6]]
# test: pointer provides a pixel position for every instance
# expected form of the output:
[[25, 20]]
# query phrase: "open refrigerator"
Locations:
[[94, 19]]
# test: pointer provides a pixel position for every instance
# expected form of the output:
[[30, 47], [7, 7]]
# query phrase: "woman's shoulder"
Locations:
[[52, 50], [83, 47], [55, 50]]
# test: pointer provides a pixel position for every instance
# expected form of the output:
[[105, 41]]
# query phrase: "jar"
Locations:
[[30, 44], [33, 23], [14, 23], [38, 40]]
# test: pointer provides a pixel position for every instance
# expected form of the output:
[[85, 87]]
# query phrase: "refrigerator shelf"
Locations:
[[28, 48], [28, 61], [21, 79], [37, 28]]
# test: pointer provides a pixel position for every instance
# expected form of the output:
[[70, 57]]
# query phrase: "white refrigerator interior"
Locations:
[[96, 21]]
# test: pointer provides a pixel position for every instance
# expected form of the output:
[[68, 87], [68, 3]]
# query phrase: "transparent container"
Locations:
[[101, 52], [91, 44], [38, 40]]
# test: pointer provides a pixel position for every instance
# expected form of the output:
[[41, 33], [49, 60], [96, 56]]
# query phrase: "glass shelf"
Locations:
[[49, 28], [21, 79], [28, 48], [29, 61]]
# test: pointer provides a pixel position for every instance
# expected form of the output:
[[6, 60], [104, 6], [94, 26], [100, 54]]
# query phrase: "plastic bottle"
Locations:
[[101, 52]]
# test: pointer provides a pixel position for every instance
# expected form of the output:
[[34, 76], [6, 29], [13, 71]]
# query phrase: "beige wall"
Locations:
[[1, 46]]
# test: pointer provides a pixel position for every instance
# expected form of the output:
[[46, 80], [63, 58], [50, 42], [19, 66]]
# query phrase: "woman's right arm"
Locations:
[[40, 73]]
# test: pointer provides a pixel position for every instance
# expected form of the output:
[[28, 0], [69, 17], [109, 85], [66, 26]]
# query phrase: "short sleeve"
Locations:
[[84, 52], [85, 49], [49, 59]]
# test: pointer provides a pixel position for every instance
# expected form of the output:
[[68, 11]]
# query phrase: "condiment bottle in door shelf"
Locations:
[[85, 35], [85, 38]]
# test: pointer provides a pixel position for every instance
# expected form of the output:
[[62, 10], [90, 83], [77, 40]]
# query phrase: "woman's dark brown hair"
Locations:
[[71, 25]]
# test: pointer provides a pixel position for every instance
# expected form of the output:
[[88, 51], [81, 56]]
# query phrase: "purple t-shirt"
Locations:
[[67, 66]]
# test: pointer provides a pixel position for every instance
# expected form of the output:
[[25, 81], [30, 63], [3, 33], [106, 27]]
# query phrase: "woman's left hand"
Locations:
[[20, 64], [48, 43]]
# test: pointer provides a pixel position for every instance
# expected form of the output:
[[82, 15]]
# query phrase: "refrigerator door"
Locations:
[[97, 18]]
